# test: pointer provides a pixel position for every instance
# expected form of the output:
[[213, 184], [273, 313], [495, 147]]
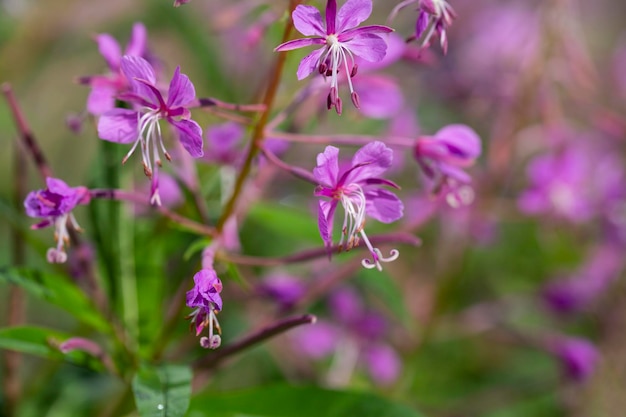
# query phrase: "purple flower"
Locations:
[[359, 191], [342, 41], [205, 298], [435, 16], [54, 204], [357, 335], [585, 285], [285, 289], [443, 156], [104, 88], [142, 126], [578, 357], [177, 3], [576, 181]]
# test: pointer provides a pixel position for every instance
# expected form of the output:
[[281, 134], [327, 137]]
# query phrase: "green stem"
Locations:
[[259, 129]]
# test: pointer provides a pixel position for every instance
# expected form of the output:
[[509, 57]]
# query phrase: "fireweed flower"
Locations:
[[142, 127], [342, 41], [578, 357], [356, 336], [442, 158], [205, 298], [104, 88], [359, 191], [435, 16], [55, 204]]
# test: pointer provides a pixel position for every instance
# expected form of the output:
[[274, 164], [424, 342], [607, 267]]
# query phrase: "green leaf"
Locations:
[[57, 290], [162, 391], [32, 340], [290, 401]]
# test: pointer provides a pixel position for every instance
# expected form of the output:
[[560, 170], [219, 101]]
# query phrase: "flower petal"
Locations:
[[138, 41], [181, 90], [190, 136], [352, 13], [308, 21], [368, 46], [136, 68], [110, 50], [309, 64], [327, 168], [299, 43], [461, 141], [383, 205], [370, 161], [118, 125], [383, 364], [101, 99], [379, 97], [325, 216]]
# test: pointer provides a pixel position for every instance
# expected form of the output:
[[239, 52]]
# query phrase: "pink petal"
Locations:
[[352, 13], [181, 90], [118, 125], [309, 64], [308, 21], [375, 157], [190, 136], [462, 138], [383, 205], [327, 168], [380, 97], [138, 41], [110, 50], [368, 46], [136, 68], [299, 43], [318, 340], [101, 99], [325, 216], [383, 364]]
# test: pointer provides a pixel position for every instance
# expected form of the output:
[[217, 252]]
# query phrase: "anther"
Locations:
[[355, 68]]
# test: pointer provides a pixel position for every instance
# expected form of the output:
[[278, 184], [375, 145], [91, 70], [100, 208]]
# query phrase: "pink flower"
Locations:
[[55, 204], [342, 41], [205, 298], [359, 191], [104, 88], [142, 126], [444, 155], [435, 16]]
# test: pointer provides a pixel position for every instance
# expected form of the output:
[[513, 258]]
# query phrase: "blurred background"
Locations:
[[513, 305]]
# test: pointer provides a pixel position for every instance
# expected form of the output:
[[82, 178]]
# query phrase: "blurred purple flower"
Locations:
[[357, 329], [585, 285], [105, 88], [358, 189], [436, 16], [55, 204], [443, 157], [578, 357], [179, 2], [284, 289], [577, 181], [142, 127], [342, 41], [205, 298], [223, 143]]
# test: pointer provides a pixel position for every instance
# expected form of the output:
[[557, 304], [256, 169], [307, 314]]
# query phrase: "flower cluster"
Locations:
[[205, 298], [54, 204]]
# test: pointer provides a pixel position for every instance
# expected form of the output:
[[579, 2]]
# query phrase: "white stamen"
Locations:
[[354, 203]]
